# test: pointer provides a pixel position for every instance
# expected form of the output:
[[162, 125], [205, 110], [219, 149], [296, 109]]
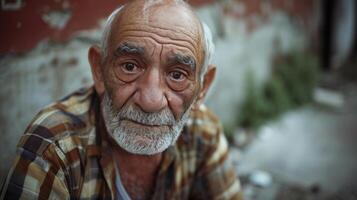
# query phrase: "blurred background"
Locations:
[[286, 88]]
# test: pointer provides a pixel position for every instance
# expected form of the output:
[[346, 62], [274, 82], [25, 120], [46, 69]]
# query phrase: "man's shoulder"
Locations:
[[202, 144], [59, 121]]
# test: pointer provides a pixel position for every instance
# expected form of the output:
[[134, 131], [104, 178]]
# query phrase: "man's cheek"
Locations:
[[190, 95], [122, 94], [112, 78], [180, 102]]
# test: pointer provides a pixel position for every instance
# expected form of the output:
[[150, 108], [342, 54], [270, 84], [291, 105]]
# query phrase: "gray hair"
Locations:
[[207, 40], [209, 47], [104, 41]]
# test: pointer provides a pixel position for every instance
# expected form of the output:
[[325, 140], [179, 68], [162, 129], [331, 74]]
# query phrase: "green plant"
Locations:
[[291, 85]]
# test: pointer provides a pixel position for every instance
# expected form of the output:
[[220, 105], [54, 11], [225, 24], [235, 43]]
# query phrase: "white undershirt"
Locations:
[[120, 190]]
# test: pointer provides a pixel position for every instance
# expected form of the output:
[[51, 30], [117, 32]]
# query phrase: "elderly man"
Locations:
[[141, 132]]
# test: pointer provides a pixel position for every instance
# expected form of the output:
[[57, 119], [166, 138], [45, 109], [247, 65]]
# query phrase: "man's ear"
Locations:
[[207, 81], [95, 61]]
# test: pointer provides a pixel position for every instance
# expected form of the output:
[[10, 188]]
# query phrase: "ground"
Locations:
[[310, 153]]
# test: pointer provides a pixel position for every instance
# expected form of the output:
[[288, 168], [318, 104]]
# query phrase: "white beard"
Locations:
[[139, 132]]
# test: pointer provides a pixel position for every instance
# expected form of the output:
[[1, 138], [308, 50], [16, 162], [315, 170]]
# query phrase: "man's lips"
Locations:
[[144, 124]]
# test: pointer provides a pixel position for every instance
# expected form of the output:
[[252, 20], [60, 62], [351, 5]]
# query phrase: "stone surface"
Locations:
[[310, 152], [261, 178]]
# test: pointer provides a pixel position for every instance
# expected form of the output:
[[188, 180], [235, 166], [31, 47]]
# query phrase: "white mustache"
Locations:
[[133, 113], [164, 117]]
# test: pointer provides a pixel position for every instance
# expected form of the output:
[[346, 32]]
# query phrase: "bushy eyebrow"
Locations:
[[129, 48], [184, 60]]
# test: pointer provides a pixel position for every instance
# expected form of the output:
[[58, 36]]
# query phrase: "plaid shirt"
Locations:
[[64, 154]]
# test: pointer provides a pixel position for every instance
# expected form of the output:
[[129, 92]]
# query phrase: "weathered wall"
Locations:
[[33, 80], [247, 34], [25, 23]]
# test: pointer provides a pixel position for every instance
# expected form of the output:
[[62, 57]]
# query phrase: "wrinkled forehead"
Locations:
[[165, 19]]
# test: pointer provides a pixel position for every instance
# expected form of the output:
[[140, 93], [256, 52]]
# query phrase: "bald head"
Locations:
[[163, 11], [170, 18]]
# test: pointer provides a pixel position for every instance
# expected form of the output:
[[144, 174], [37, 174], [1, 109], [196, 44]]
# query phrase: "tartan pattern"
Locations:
[[64, 154]]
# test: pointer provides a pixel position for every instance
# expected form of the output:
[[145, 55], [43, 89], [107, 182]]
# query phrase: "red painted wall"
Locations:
[[23, 27]]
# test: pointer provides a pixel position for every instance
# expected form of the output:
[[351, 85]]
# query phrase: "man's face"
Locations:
[[151, 77]]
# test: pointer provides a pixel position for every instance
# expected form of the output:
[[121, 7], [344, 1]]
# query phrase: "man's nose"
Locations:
[[150, 95]]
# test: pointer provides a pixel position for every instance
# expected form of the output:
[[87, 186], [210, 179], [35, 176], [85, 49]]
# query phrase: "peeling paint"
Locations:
[[11, 5], [57, 19]]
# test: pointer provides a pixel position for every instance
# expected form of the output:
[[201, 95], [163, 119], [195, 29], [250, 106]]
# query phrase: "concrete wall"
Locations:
[[33, 80], [247, 34]]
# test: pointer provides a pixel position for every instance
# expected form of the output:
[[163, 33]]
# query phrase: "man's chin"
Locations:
[[143, 142], [141, 148]]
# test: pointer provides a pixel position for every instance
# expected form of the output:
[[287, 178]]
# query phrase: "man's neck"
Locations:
[[136, 161], [138, 172]]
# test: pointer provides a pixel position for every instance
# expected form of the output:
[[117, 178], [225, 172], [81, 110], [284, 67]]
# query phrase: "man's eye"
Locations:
[[177, 76], [130, 67]]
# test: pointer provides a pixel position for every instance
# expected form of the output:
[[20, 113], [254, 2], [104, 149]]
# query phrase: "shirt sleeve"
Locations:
[[34, 176], [216, 177]]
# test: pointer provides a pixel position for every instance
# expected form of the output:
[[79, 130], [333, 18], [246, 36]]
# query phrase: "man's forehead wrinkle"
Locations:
[[160, 42], [162, 35], [185, 31], [163, 20], [182, 22], [163, 39], [161, 51], [153, 51], [180, 43]]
